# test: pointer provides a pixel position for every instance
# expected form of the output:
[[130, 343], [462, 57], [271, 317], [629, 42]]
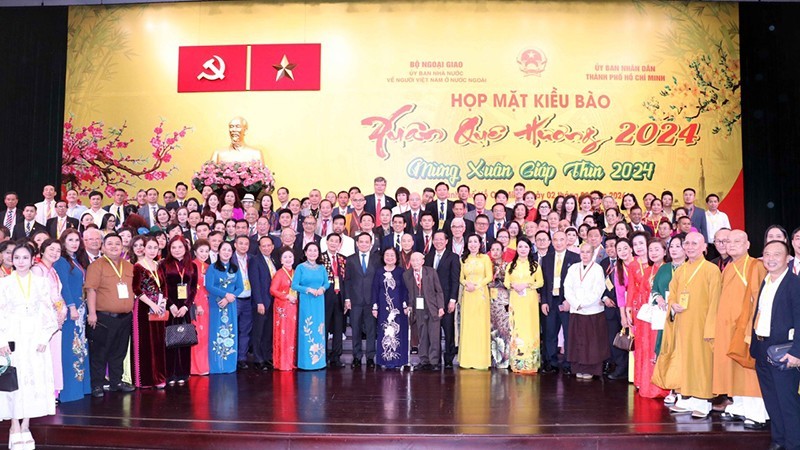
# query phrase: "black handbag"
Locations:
[[776, 352], [181, 335], [8, 377]]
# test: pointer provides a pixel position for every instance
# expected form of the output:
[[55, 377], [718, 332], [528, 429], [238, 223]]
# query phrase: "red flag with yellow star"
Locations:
[[285, 67]]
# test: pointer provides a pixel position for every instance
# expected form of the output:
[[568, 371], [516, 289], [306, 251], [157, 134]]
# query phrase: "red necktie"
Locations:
[[427, 243], [378, 213]]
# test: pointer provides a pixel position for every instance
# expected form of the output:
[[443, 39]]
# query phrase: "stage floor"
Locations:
[[369, 408]]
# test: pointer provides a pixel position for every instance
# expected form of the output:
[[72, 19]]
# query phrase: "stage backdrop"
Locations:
[[564, 96]]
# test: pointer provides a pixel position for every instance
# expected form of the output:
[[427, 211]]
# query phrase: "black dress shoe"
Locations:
[[356, 363], [370, 363], [549, 369], [242, 365], [753, 425], [606, 367], [98, 392], [258, 366], [122, 387], [434, 368], [775, 446], [336, 364], [448, 365], [566, 371], [617, 376]]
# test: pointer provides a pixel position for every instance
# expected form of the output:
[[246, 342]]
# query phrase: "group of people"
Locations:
[[510, 283]]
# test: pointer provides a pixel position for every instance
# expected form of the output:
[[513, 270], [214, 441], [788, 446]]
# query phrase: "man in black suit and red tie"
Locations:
[[776, 320], [61, 221], [335, 264], [554, 270], [441, 207], [378, 200]]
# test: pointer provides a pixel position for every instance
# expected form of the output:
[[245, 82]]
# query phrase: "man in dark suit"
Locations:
[[118, 207], [180, 196], [459, 210], [150, 208], [484, 230], [441, 208], [28, 225], [426, 300], [11, 215], [260, 270], [307, 236], [375, 202], [448, 269], [61, 221], [358, 297], [414, 214], [616, 367], [777, 319], [335, 264], [635, 214], [262, 230], [554, 270], [398, 230]]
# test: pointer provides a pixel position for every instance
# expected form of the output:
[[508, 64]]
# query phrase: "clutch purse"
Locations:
[[8, 377], [776, 352], [623, 340], [180, 335], [158, 317]]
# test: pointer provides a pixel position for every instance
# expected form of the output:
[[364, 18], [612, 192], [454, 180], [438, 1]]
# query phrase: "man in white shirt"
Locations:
[[118, 207], [283, 198], [442, 207], [180, 196], [11, 215], [346, 245], [46, 209], [635, 214], [342, 200], [74, 209], [244, 304], [715, 219]]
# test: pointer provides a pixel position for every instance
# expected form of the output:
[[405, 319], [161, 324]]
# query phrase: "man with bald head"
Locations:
[[740, 282], [685, 362], [554, 271]]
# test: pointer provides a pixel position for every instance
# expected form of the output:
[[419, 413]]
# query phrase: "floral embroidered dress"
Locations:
[[200, 351], [223, 330], [524, 317], [74, 346], [501, 330], [311, 336], [389, 296]]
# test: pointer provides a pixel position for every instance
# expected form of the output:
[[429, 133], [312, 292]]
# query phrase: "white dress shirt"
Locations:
[[765, 300]]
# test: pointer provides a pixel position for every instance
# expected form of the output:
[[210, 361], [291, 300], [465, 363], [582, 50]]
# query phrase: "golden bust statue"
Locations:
[[238, 151]]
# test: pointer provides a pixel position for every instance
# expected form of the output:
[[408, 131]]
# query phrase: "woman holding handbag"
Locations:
[[180, 287], [644, 354], [28, 320], [147, 341]]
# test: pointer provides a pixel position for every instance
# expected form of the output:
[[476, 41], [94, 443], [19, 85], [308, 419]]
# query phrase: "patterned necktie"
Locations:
[[397, 241], [49, 213], [60, 225], [414, 220], [427, 243], [27, 229], [153, 216], [325, 227], [8, 219], [441, 210]]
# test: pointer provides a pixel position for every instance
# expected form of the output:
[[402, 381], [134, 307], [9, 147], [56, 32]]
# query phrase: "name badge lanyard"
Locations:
[[183, 292], [122, 288]]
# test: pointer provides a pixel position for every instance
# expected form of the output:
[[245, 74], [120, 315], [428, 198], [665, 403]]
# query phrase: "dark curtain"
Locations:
[[770, 48], [33, 63]]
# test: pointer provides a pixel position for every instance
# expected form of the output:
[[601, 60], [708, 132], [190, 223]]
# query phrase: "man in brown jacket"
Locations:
[[427, 302]]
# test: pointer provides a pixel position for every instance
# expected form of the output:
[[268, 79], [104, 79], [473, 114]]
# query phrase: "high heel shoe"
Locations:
[[16, 441], [27, 441]]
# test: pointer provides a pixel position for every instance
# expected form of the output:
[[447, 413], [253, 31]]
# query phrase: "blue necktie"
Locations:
[[364, 262]]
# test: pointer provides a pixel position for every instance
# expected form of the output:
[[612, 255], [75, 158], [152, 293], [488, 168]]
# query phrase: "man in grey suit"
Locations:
[[359, 272], [696, 213], [148, 211], [426, 299]]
